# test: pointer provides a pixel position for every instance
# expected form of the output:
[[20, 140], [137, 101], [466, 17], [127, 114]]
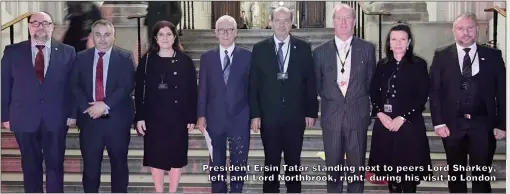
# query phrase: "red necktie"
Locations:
[[99, 78], [39, 63]]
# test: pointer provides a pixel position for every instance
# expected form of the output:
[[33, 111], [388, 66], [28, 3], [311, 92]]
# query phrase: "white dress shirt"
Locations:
[[285, 51], [475, 67], [46, 53], [343, 78], [230, 50]]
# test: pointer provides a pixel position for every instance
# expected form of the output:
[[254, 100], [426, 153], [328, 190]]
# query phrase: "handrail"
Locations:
[[496, 11], [16, 20], [136, 16], [501, 11]]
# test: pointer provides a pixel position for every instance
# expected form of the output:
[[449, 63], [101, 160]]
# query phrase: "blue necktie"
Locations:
[[280, 56], [226, 69]]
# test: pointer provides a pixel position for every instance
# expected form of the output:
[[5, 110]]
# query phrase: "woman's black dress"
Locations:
[[409, 86], [170, 104]]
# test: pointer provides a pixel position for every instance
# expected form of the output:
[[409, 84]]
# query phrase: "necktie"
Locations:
[[466, 64], [99, 78], [226, 69], [39, 63], [280, 56]]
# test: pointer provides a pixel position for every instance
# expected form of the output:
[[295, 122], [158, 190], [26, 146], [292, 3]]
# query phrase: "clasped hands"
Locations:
[[96, 109], [390, 124]]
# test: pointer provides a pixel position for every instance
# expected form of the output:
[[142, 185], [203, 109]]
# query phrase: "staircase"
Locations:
[[195, 178]]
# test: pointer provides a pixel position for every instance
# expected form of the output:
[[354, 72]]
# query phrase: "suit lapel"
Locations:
[[331, 65], [274, 66], [356, 61], [482, 56], [89, 62], [233, 66], [26, 62], [55, 58], [218, 65], [112, 65], [293, 52], [455, 60]]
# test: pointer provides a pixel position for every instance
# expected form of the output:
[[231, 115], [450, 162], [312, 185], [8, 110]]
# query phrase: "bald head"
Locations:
[[41, 27], [344, 8]]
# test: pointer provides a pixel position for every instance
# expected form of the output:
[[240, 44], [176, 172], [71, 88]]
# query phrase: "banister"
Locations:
[[379, 13], [496, 11], [16, 20], [136, 16], [501, 11]]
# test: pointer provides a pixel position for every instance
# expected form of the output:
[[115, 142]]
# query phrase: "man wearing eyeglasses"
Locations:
[[223, 106], [37, 104], [283, 98]]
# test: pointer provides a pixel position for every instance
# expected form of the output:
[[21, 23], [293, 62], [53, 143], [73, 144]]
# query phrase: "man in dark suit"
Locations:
[[345, 66], [467, 102], [223, 102], [36, 104], [103, 79], [283, 97]]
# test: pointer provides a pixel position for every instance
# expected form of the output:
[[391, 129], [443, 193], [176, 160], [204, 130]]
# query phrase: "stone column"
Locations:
[[202, 14]]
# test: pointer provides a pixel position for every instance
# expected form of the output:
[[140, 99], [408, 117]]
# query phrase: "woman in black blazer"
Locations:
[[398, 92]]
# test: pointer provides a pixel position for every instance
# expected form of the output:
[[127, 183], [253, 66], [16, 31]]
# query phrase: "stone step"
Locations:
[[201, 183], [312, 141], [197, 164]]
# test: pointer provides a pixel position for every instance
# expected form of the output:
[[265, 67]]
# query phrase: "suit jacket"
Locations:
[[119, 85], [25, 101], [299, 90], [224, 105], [354, 108], [446, 78]]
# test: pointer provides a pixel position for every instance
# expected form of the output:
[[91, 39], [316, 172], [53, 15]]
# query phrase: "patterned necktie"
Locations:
[[99, 78], [226, 69], [466, 64], [39, 63], [281, 60]]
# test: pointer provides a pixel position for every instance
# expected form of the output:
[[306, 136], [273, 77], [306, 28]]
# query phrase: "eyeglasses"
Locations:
[[228, 30], [45, 24]]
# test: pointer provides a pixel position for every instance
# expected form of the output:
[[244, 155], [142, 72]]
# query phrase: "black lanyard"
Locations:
[[346, 56], [282, 63]]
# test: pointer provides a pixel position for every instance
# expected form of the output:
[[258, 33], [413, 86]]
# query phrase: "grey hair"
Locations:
[[103, 22], [228, 18], [343, 5], [282, 9], [467, 15]]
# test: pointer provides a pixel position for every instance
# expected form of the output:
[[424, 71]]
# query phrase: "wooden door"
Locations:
[[312, 14], [220, 8]]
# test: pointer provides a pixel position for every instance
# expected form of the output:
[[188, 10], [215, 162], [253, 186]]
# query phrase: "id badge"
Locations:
[[388, 108], [282, 76], [163, 86]]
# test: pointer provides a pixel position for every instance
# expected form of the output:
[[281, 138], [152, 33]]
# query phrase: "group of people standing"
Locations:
[[271, 89]]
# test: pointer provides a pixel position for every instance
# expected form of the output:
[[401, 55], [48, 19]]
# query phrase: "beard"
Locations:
[[44, 37]]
